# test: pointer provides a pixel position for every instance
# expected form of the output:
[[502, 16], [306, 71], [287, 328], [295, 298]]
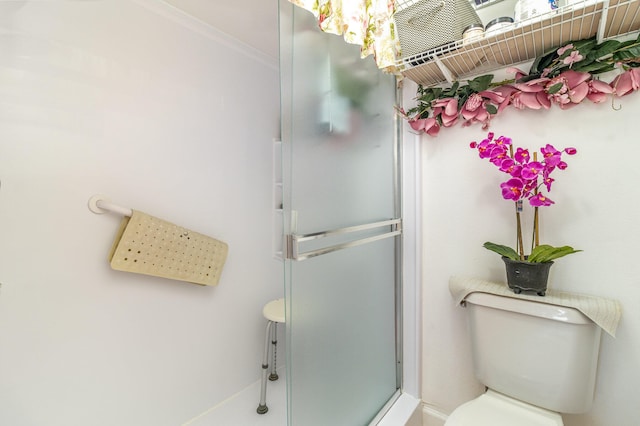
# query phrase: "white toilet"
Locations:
[[537, 361]]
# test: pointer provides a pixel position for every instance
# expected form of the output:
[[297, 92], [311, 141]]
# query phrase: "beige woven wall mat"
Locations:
[[151, 246]]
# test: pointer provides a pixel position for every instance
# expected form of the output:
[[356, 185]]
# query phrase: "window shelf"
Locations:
[[523, 41]]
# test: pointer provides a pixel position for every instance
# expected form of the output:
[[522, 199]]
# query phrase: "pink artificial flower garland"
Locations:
[[566, 90]]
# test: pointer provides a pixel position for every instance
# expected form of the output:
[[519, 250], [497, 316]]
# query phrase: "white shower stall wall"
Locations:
[[160, 113]]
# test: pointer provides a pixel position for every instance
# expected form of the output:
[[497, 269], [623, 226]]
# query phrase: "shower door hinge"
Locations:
[[289, 247]]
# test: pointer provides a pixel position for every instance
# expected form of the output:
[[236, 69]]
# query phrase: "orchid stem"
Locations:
[[535, 240], [518, 205], [519, 231]]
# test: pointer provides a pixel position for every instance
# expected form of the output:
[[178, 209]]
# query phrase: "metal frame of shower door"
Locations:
[[397, 188]]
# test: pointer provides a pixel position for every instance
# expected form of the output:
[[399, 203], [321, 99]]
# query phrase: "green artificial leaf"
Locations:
[[622, 56], [428, 94], [540, 253], [529, 77], [585, 46], [626, 44], [413, 111], [584, 64], [561, 252], [427, 97], [449, 93], [481, 83], [462, 99], [465, 91], [491, 109], [604, 49], [502, 250], [628, 53], [595, 67], [543, 61], [555, 88], [424, 114], [547, 253]]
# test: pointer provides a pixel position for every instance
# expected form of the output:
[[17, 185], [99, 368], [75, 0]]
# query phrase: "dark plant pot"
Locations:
[[527, 276]]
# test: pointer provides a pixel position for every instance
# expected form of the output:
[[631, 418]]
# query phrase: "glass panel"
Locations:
[[338, 132], [342, 131], [342, 336]]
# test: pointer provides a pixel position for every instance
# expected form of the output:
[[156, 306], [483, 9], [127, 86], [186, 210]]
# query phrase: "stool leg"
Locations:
[[274, 342], [262, 406]]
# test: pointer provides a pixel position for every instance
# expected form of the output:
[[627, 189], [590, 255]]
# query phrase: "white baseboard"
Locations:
[[401, 411], [432, 417]]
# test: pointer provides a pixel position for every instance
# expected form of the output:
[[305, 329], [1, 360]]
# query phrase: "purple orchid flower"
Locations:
[[532, 170], [512, 189], [539, 200]]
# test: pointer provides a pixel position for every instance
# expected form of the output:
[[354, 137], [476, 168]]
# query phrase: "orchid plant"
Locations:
[[527, 178]]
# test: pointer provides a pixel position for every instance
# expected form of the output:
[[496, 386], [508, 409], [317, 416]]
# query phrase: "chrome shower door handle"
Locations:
[[293, 250]]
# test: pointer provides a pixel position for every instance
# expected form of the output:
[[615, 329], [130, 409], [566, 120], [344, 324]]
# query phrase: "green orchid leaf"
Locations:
[[560, 252], [540, 253], [502, 250], [547, 253]]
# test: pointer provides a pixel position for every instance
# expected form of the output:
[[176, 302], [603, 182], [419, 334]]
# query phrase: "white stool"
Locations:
[[274, 313]]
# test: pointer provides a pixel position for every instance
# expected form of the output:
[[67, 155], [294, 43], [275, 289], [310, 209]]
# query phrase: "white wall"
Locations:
[[161, 114], [597, 209]]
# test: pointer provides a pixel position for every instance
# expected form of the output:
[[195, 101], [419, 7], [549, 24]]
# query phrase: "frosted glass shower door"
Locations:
[[341, 209]]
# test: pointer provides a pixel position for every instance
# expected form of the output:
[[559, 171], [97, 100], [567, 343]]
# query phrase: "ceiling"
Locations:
[[253, 22]]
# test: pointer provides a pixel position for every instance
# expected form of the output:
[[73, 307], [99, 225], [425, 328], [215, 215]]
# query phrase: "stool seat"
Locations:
[[274, 311]]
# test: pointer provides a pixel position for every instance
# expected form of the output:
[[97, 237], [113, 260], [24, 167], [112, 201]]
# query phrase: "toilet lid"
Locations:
[[495, 409]]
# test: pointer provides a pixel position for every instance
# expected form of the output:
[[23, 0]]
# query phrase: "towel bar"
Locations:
[[100, 205]]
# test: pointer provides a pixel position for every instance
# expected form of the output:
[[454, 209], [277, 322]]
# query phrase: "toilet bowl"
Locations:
[[495, 409]]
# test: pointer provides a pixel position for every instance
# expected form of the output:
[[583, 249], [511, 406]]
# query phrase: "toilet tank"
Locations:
[[542, 354]]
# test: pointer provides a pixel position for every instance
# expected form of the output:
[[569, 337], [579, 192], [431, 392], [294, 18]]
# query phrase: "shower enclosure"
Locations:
[[341, 220]]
